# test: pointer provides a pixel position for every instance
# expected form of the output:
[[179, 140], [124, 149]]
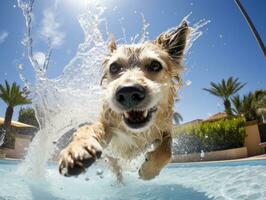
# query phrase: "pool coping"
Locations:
[[252, 158]]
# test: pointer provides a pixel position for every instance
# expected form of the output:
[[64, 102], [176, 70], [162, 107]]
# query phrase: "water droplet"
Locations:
[[99, 172], [115, 8], [202, 154], [188, 82]]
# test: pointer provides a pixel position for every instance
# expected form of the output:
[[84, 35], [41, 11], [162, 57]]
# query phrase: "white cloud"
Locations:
[[50, 28], [39, 57], [3, 36]]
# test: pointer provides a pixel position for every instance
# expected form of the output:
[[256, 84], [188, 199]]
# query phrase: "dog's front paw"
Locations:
[[148, 170], [79, 155]]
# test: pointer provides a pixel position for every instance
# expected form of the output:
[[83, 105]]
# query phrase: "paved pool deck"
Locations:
[[251, 158]]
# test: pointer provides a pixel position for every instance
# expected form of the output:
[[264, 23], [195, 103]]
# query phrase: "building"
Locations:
[[24, 134], [254, 144]]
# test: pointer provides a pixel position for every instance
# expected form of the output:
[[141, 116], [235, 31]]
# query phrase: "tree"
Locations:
[[252, 106], [245, 106], [224, 90], [237, 105], [12, 96], [177, 118], [27, 116]]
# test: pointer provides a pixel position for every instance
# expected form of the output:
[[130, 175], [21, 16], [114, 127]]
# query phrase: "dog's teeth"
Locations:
[[145, 114], [126, 114]]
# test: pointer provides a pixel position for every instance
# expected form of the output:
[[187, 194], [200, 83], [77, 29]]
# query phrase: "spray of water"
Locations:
[[73, 98], [69, 100], [2, 136]]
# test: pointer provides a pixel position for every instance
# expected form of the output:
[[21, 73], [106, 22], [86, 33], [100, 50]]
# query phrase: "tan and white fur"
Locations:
[[139, 80]]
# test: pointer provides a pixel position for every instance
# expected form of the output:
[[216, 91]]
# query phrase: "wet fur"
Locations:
[[110, 131]]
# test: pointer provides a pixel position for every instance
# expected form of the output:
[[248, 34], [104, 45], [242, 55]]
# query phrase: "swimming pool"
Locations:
[[198, 181]]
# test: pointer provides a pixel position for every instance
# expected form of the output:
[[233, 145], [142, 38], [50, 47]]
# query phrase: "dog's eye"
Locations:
[[115, 68], [154, 66]]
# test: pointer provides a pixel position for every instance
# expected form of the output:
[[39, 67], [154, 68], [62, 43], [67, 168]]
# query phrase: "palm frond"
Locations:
[[225, 89], [12, 95], [237, 105]]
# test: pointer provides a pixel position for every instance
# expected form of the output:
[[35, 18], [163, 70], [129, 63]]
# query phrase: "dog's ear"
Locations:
[[174, 41], [112, 45]]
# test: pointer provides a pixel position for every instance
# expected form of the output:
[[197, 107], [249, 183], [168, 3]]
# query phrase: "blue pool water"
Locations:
[[199, 181]]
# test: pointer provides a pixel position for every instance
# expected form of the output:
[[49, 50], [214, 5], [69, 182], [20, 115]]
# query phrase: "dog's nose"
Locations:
[[130, 96]]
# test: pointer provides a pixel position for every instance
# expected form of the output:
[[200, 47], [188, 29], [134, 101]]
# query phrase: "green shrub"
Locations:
[[210, 136], [27, 116]]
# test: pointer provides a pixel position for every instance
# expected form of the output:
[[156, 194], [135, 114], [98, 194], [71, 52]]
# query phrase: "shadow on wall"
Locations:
[[262, 130], [255, 138]]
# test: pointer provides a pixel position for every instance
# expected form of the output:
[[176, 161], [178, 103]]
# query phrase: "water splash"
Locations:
[[63, 103], [195, 31], [2, 136], [69, 100], [202, 154]]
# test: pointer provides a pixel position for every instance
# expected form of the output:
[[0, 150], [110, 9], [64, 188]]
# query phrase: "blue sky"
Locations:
[[226, 48]]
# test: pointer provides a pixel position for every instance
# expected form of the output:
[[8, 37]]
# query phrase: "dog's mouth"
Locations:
[[136, 119]]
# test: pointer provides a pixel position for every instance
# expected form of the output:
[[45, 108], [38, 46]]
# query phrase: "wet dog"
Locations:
[[139, 80]]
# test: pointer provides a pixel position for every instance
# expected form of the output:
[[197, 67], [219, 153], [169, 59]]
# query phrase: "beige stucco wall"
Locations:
[[2, 153], [21, 145], [252, 140], [228, 154]]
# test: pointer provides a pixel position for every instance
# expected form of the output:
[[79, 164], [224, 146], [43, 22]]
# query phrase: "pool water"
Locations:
[[199, 181]]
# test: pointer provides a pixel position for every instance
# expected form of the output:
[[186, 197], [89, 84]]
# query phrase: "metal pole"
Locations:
[[251, 26]]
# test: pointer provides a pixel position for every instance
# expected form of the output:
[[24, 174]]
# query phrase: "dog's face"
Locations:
[[138, 77]]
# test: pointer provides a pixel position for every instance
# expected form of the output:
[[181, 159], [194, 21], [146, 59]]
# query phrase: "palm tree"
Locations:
[[245, 106], [237, 105], [177, 118], [12, 96], [225, 89]]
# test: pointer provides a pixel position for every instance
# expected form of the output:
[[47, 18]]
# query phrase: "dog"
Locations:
[[140, 90]]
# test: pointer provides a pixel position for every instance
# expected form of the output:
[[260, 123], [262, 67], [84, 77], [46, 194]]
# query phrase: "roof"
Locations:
[[17, 124], [216, 117], [193, 121]]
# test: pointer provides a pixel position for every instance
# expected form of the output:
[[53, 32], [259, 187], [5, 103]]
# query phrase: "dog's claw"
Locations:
[[78, 156], [98, 154]]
